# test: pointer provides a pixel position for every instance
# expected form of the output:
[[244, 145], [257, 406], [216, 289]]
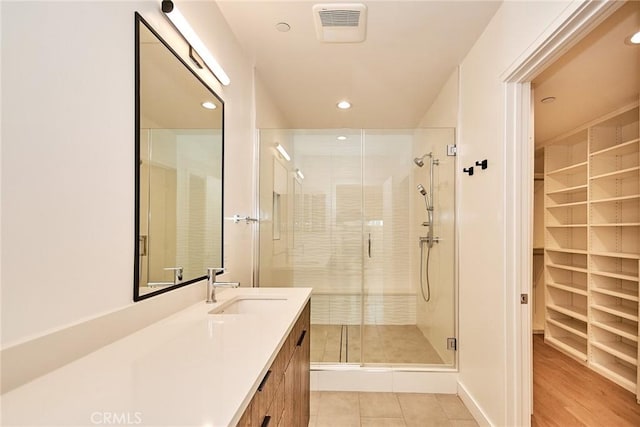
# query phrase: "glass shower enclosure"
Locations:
[[341, 212]]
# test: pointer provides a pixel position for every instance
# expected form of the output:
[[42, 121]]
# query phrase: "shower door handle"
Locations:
[[369, 246]]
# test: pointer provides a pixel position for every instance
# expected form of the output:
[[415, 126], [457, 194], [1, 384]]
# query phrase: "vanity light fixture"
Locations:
[[633, 39], [344, 105], [283, 152], [183, 27], [209, 105], [299, 174]]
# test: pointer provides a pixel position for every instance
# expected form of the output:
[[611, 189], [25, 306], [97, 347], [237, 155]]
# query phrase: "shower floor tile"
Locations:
[[403, 344]]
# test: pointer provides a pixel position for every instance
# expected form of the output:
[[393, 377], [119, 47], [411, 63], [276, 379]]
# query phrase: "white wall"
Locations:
[[485, 345], [443, 112], [67, 158]]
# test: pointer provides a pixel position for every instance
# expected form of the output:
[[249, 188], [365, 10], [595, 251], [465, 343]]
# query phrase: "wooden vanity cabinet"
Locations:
[[282, 399]]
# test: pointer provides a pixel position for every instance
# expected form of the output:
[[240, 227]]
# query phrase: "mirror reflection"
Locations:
[[179, 144]]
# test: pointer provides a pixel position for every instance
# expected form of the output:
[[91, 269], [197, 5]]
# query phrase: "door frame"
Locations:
[[577, 20]]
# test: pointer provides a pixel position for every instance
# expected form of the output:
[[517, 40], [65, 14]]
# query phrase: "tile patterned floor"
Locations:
[[403, 344], [357, 409]]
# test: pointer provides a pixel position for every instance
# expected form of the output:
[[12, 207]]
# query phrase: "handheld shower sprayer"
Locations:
[[427, 200]]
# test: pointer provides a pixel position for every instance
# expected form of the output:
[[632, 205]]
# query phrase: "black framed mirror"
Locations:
[[179, 153]]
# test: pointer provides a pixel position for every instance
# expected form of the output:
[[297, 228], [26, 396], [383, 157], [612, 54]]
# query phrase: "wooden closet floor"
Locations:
[[566, 393]]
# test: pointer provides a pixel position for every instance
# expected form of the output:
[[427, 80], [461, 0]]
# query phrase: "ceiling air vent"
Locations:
[[340, 22]]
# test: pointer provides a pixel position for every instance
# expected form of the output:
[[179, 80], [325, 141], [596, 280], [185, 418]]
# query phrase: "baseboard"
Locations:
[[473, 406]]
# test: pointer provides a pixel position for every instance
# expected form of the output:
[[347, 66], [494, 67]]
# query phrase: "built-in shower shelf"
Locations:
[[592, 204]]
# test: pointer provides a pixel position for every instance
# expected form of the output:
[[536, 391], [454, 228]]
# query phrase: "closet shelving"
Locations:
[[592, 245], [566, 233]]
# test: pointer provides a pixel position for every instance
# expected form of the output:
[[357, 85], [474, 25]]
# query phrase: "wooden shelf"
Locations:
[[576, 289], [592, 293], [579, 313], [569, 190], [618, 373], [625, 330], [616, 199], [568, 267], [621, 174], [626, 224], [568, 251], [574, 326], [629, 295], [618, 310], [628, 147], [569, 345], [620, 350], [568, 226], [567, 205], [570, 170], [616, 254]]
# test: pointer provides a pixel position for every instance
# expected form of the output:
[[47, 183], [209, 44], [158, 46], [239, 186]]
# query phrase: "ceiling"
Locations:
[[391, 78], [597, 76], [171, 96]]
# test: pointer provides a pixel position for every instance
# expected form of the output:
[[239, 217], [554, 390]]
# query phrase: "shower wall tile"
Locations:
[[320, 312], [340, 309]]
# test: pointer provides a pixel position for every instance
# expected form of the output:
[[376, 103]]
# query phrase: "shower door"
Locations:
[[342, 216], [408, 288]]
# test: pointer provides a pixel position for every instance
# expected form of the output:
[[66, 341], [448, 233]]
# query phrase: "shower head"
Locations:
[[420, 160], [421, 189]]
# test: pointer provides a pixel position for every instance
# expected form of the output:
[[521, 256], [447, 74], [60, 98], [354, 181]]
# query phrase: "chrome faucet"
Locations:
[[212, 284]]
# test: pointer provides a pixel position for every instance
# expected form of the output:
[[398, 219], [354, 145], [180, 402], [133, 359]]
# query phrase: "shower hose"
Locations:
[[424, 270]]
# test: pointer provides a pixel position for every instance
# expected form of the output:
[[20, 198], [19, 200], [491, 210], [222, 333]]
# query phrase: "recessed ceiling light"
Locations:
[[548, 99], [283, 27], [633, 39], [344, 105], [209, 105], [342, 138]]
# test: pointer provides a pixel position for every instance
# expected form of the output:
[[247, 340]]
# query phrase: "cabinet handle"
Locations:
[[299, 343], [266, 421], [264, 380]]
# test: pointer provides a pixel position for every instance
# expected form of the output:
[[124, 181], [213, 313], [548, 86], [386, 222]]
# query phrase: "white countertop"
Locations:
[[190, 369]]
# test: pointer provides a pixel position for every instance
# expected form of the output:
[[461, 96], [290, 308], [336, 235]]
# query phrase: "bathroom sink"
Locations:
[[250, 305]]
